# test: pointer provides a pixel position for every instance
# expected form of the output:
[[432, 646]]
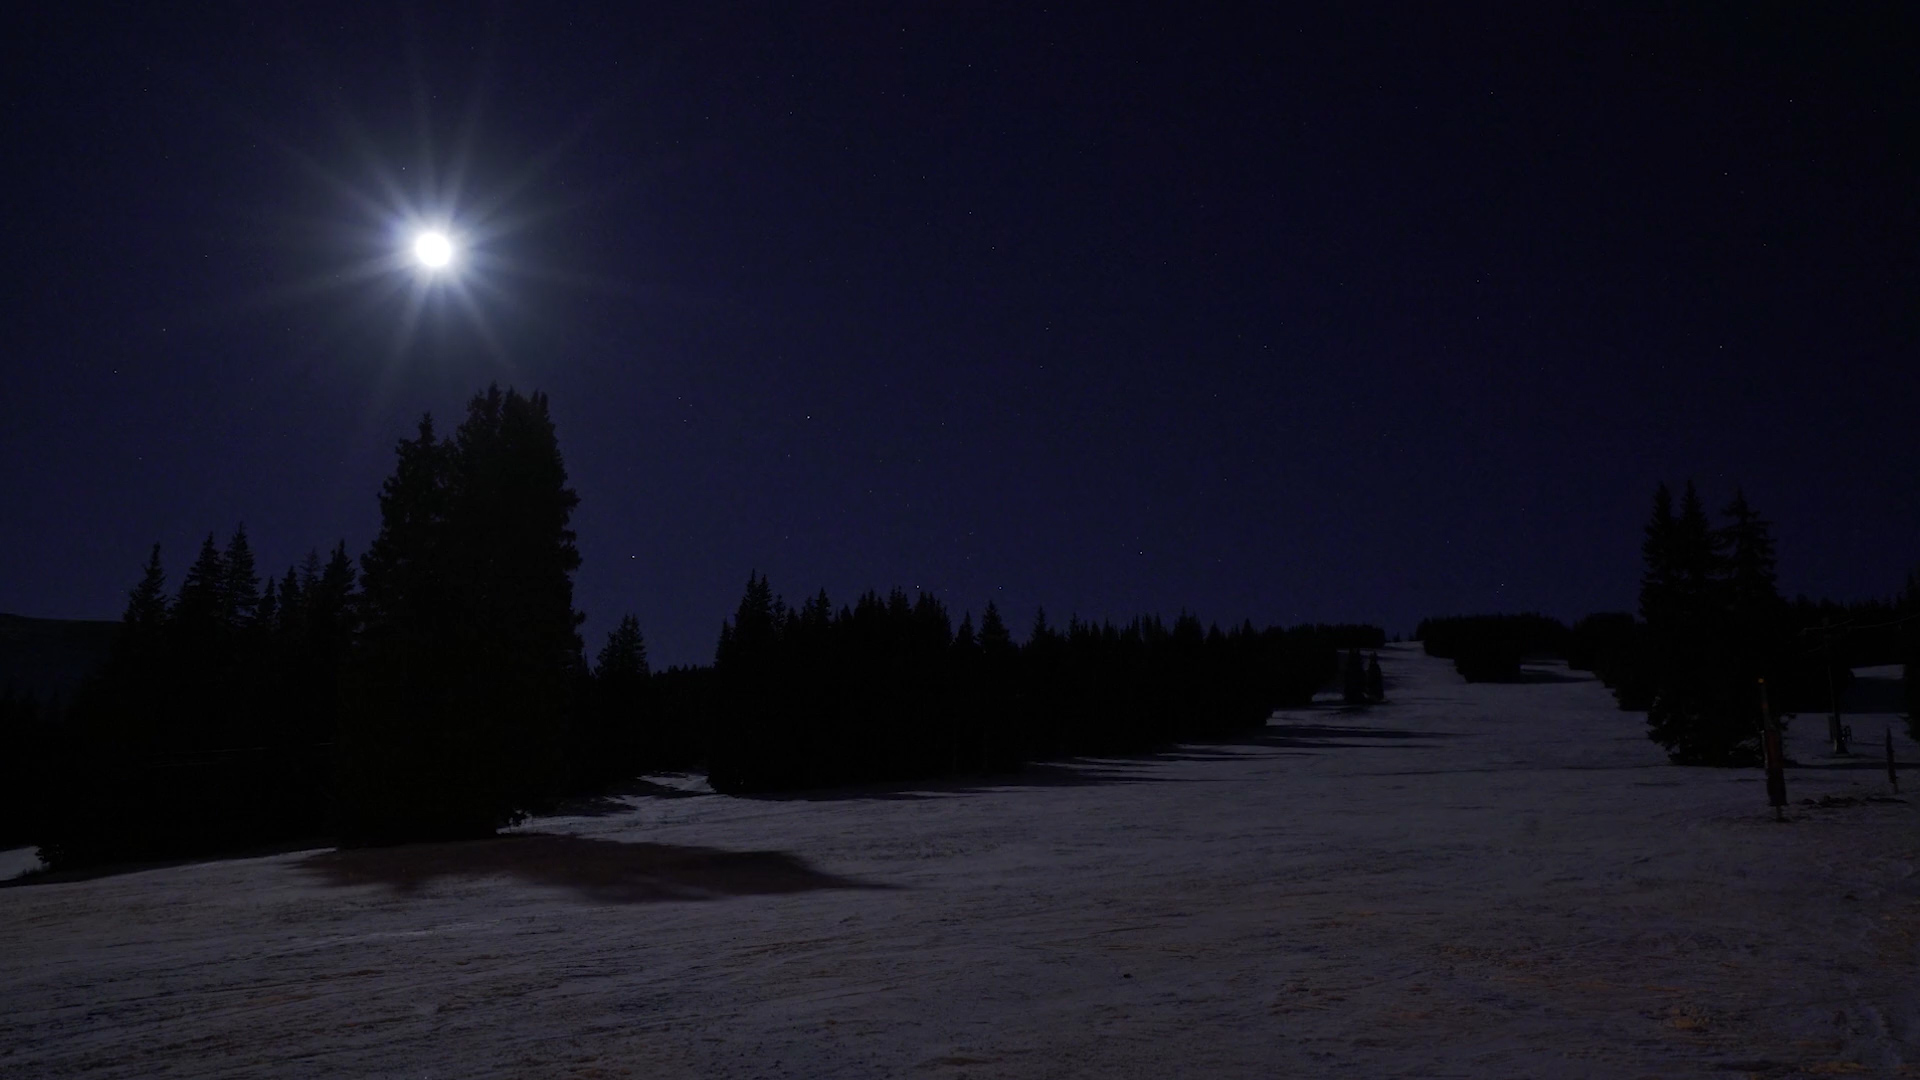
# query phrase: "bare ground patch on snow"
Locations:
[[1468, 881]]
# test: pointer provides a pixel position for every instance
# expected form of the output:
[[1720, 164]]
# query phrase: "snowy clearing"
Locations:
[[1484, 881]]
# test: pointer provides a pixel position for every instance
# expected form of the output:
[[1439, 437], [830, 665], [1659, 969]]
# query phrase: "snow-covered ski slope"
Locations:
[[1484, 881]]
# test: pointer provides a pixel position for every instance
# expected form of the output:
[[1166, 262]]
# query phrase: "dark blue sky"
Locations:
[[1388, 313]]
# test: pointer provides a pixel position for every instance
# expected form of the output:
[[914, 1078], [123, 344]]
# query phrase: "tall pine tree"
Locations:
[[1712, 614], [1752, 580], [240, 584], [470, 654], [147, 601], [200, 609]]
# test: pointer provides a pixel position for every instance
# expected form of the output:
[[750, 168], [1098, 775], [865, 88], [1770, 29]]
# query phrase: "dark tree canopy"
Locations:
[[470, 655], [888, 689], [1713, 629]]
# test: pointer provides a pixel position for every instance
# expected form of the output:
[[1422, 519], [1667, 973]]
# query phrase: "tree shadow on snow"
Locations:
[[1552, 675], [1071, 772], [1281, 739], [1865, 760], [604, 871], [1337, 736]]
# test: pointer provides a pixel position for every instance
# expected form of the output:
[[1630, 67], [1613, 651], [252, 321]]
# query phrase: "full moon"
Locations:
[[433, 249]]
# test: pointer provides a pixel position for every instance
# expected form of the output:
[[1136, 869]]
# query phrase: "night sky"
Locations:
[[1383, 314]]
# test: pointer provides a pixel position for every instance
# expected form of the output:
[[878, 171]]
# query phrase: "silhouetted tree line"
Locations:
[[211, 724], [1489, 648], [27, 727], [1711, 625], [633, 720], [889, 688], [438, 688], [1617, 647], [1606, 643], [1833, 638]]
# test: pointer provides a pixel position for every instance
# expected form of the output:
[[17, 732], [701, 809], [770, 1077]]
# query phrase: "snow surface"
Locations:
[[1469, 881]]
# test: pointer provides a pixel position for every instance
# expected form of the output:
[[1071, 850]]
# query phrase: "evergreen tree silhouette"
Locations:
[[1042, 634], [995, 640], [612, 741], [752, 751], [1712, 629], [138, 676], [470, 652], [147, 602], [200, 608], [624, 656], [1697, 563], [998, 705], [1753, 591], [292, 607], [267, 613], [240, 582]]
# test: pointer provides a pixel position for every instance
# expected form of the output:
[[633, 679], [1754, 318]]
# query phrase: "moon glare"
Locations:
[[433, 249]]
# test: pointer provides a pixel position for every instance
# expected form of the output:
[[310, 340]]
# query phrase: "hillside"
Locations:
[[1485, 880]]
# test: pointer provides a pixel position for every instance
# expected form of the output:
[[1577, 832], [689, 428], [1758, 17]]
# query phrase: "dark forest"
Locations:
[[436, 687]]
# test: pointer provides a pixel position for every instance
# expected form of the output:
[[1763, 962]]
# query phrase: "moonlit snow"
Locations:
[[1469, 881]]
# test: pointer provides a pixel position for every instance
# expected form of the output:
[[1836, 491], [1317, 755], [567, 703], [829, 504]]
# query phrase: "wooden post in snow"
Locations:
[[1775, 757]]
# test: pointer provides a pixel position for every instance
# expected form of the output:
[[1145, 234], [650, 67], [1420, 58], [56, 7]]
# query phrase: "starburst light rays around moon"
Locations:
[[427, 237]]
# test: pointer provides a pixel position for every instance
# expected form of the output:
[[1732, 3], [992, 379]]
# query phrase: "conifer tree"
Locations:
[[609, 742], [1697, 562], [240, 584], [1708, 598], [995, 640], [330, 604], [999, 708], [267, 613], [471, 650], [1042, 634], [292, 603], [199, 608], [963, 638], [624, 656], [147, 601], [747, 638], [403, 572], [751, 750], [137, 667], [1752, 581], [311, 567]]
